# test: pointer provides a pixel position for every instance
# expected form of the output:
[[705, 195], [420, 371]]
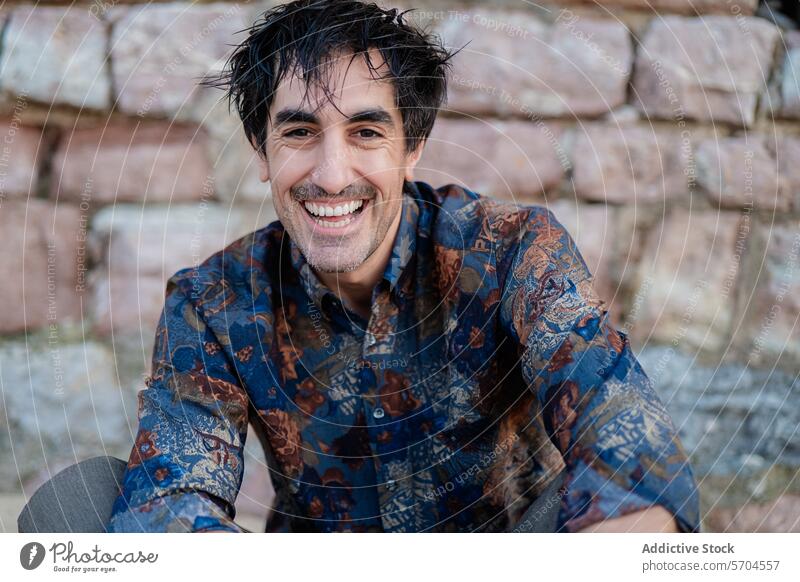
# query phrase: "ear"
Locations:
[[412, 158], [263, 165], [263, 168]]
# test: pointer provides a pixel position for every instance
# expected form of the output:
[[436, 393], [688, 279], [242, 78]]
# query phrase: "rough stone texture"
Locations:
[[235, 162], [711, 69], [160, 52], [789, 97], [40, 264], [61, 403], [517, 65], [140, 248], [687, 280], [515, 160], [56, 55], [738, 424], [729, 7], [18, 158], [10, 506], [740, 172], [787, 159], [630, 164], [779, 516], [730, 418], [770, 332], [128, 163]]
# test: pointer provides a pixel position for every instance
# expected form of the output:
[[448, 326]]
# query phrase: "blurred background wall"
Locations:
[[663, 133]]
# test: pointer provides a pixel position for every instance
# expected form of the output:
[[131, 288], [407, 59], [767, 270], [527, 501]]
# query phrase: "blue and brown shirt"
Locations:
[[487, 369]]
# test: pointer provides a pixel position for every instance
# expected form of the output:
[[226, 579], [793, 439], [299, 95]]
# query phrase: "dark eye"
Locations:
[[368, 133], [299, 132]]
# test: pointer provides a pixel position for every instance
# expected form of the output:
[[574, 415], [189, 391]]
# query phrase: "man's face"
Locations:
[[337, 176]]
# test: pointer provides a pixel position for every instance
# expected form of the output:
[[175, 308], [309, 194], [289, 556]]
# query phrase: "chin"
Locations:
[[327, 266], [327, 261], [330, 269]]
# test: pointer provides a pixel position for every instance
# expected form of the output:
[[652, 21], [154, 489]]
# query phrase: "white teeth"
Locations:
[[334, 223], [341, 210]]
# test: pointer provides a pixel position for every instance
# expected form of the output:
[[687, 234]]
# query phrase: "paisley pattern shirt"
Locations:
[[487, 369]]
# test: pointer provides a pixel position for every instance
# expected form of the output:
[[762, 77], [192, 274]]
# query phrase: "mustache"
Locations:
[[313, 192]]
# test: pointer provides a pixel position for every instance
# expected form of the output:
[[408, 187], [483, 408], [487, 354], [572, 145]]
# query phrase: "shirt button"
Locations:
[[378, 413]]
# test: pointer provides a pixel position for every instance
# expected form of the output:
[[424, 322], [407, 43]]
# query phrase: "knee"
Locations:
[[78, 499]]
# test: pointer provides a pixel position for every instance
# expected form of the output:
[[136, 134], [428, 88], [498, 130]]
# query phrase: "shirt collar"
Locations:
[[404, 247], [405, 242]]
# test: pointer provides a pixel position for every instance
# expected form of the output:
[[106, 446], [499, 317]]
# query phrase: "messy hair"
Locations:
[[299, 37]]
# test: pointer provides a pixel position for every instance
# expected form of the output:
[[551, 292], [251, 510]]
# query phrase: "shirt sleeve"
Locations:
[[185, 469], [620, 447]]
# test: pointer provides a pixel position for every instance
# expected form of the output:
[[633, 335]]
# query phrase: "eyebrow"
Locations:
[[376, 115]]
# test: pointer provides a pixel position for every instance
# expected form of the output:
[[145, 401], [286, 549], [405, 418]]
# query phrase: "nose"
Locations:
[[333, 170]]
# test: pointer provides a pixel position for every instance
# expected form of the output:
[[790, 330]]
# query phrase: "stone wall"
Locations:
[[663, 133]]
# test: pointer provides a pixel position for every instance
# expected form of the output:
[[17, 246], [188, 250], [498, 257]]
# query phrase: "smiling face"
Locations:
[[337, 175]]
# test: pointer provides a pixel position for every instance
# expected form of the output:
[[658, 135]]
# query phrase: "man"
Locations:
[[414, 359]]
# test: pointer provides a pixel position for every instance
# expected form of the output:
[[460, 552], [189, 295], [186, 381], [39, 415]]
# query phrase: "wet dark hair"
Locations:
[[298, 37]]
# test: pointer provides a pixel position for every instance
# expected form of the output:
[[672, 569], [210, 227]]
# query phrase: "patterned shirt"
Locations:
[[487, 369]]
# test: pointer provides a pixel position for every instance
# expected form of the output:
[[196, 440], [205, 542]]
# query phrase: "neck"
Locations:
[[354, 288]]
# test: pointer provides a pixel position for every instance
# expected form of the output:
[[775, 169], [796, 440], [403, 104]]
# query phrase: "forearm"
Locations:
[[178, 512], [652, 519]]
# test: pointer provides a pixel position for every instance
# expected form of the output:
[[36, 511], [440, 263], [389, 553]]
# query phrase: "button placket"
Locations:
[[378, 342], [370, 404]]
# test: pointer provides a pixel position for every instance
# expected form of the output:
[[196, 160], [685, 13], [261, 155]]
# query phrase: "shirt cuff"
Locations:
[[185, 512]]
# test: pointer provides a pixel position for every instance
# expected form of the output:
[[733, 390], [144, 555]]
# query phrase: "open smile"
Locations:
[[334, 215]]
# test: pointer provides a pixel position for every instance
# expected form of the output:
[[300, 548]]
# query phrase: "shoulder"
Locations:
[[464, 216], [239, 271], [468, 220]]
